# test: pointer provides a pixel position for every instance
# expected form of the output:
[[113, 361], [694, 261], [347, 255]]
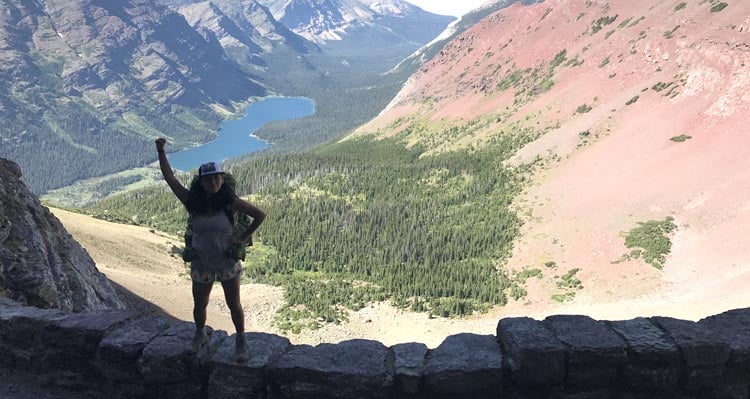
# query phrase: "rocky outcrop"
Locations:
[[40, 263], [245, 24], [123, 355]]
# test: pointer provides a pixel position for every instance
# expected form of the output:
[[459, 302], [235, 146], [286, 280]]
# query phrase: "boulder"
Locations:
[[654, 359], [118, 353], [733, 328], [534, 355], [20, 341], [704, 354], [169, 370]]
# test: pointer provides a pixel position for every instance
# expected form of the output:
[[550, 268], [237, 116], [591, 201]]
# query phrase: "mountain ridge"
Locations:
[[87, 84], [238, 24], [91, 83], [324, 21], [643, 107]]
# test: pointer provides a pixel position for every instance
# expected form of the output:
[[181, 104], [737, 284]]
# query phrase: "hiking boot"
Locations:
[[240, 349], [198, 341]]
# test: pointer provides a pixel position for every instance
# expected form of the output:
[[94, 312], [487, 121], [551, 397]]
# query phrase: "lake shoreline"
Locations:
[[237, 137]]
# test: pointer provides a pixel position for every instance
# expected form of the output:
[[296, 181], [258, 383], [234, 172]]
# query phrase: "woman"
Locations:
[[207, 200]]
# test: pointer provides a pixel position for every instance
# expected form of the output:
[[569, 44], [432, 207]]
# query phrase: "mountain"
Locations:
[[245, 24], [135, 46], [88, 84], [638, 115], [42, 265], [344, 77], [384, 21], [431, 49], [354, 32]]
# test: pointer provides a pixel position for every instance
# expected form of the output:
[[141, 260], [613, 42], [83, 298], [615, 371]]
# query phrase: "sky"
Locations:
[[448, 7]]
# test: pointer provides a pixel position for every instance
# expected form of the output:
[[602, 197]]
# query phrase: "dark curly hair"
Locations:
[[198, 204]]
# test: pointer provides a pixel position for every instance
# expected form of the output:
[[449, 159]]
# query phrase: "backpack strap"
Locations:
[[237, 219], [188, 254]]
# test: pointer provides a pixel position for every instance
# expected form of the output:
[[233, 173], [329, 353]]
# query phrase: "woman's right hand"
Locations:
[[160, 143]]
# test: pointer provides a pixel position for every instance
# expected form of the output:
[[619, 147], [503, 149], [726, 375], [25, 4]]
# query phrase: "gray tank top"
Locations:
[[211, 235]]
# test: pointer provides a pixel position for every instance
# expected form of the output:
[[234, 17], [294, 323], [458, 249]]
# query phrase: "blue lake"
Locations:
[[234, 136]]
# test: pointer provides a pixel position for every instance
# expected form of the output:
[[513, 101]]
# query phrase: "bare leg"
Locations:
[[232, 296], [201, 294]]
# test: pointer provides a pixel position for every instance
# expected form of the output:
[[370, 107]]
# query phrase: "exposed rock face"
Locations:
[[324, 21], [40, 263], [123, 49], [244, 24]]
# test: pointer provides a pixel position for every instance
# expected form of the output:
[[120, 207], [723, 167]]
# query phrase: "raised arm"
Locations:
[[177, 188], [251, 210]]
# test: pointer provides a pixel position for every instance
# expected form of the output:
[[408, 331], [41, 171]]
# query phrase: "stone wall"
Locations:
[[124, 355]]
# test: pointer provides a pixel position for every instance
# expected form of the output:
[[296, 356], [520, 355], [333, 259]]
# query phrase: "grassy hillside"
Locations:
[[640, 101], [367, 220]]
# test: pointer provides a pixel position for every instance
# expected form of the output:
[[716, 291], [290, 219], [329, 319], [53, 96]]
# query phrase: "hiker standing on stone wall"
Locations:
[[207, 200]]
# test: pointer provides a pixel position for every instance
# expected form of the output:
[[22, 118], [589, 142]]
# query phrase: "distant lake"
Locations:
[[234, 136]]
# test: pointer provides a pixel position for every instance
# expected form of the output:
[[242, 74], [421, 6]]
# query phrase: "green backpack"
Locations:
[[240, 222]]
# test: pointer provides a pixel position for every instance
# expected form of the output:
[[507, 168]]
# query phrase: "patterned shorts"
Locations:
[[209, 276]]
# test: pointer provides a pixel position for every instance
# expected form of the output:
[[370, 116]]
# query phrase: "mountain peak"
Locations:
[[325, 20], [612, 44]]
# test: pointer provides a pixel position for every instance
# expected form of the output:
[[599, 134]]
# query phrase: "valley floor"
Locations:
[[143, 262]]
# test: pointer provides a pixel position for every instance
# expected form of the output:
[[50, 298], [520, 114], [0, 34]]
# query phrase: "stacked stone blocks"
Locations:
[[124, 355]]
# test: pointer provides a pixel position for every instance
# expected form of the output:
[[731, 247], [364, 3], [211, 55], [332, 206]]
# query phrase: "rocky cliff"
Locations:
[[40, 263], [117, 54], [326, 21]]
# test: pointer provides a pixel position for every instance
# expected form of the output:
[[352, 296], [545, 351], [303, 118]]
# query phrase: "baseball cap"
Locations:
[[209, 168]]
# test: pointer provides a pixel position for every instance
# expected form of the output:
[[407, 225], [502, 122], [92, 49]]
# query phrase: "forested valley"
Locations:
[[70, 141], [370, 220], [75, 136], [63, 127]]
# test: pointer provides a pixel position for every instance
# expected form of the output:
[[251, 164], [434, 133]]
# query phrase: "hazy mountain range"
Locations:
[[90, 83]]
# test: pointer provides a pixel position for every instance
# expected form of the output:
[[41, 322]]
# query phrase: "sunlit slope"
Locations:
[[643, 107]]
